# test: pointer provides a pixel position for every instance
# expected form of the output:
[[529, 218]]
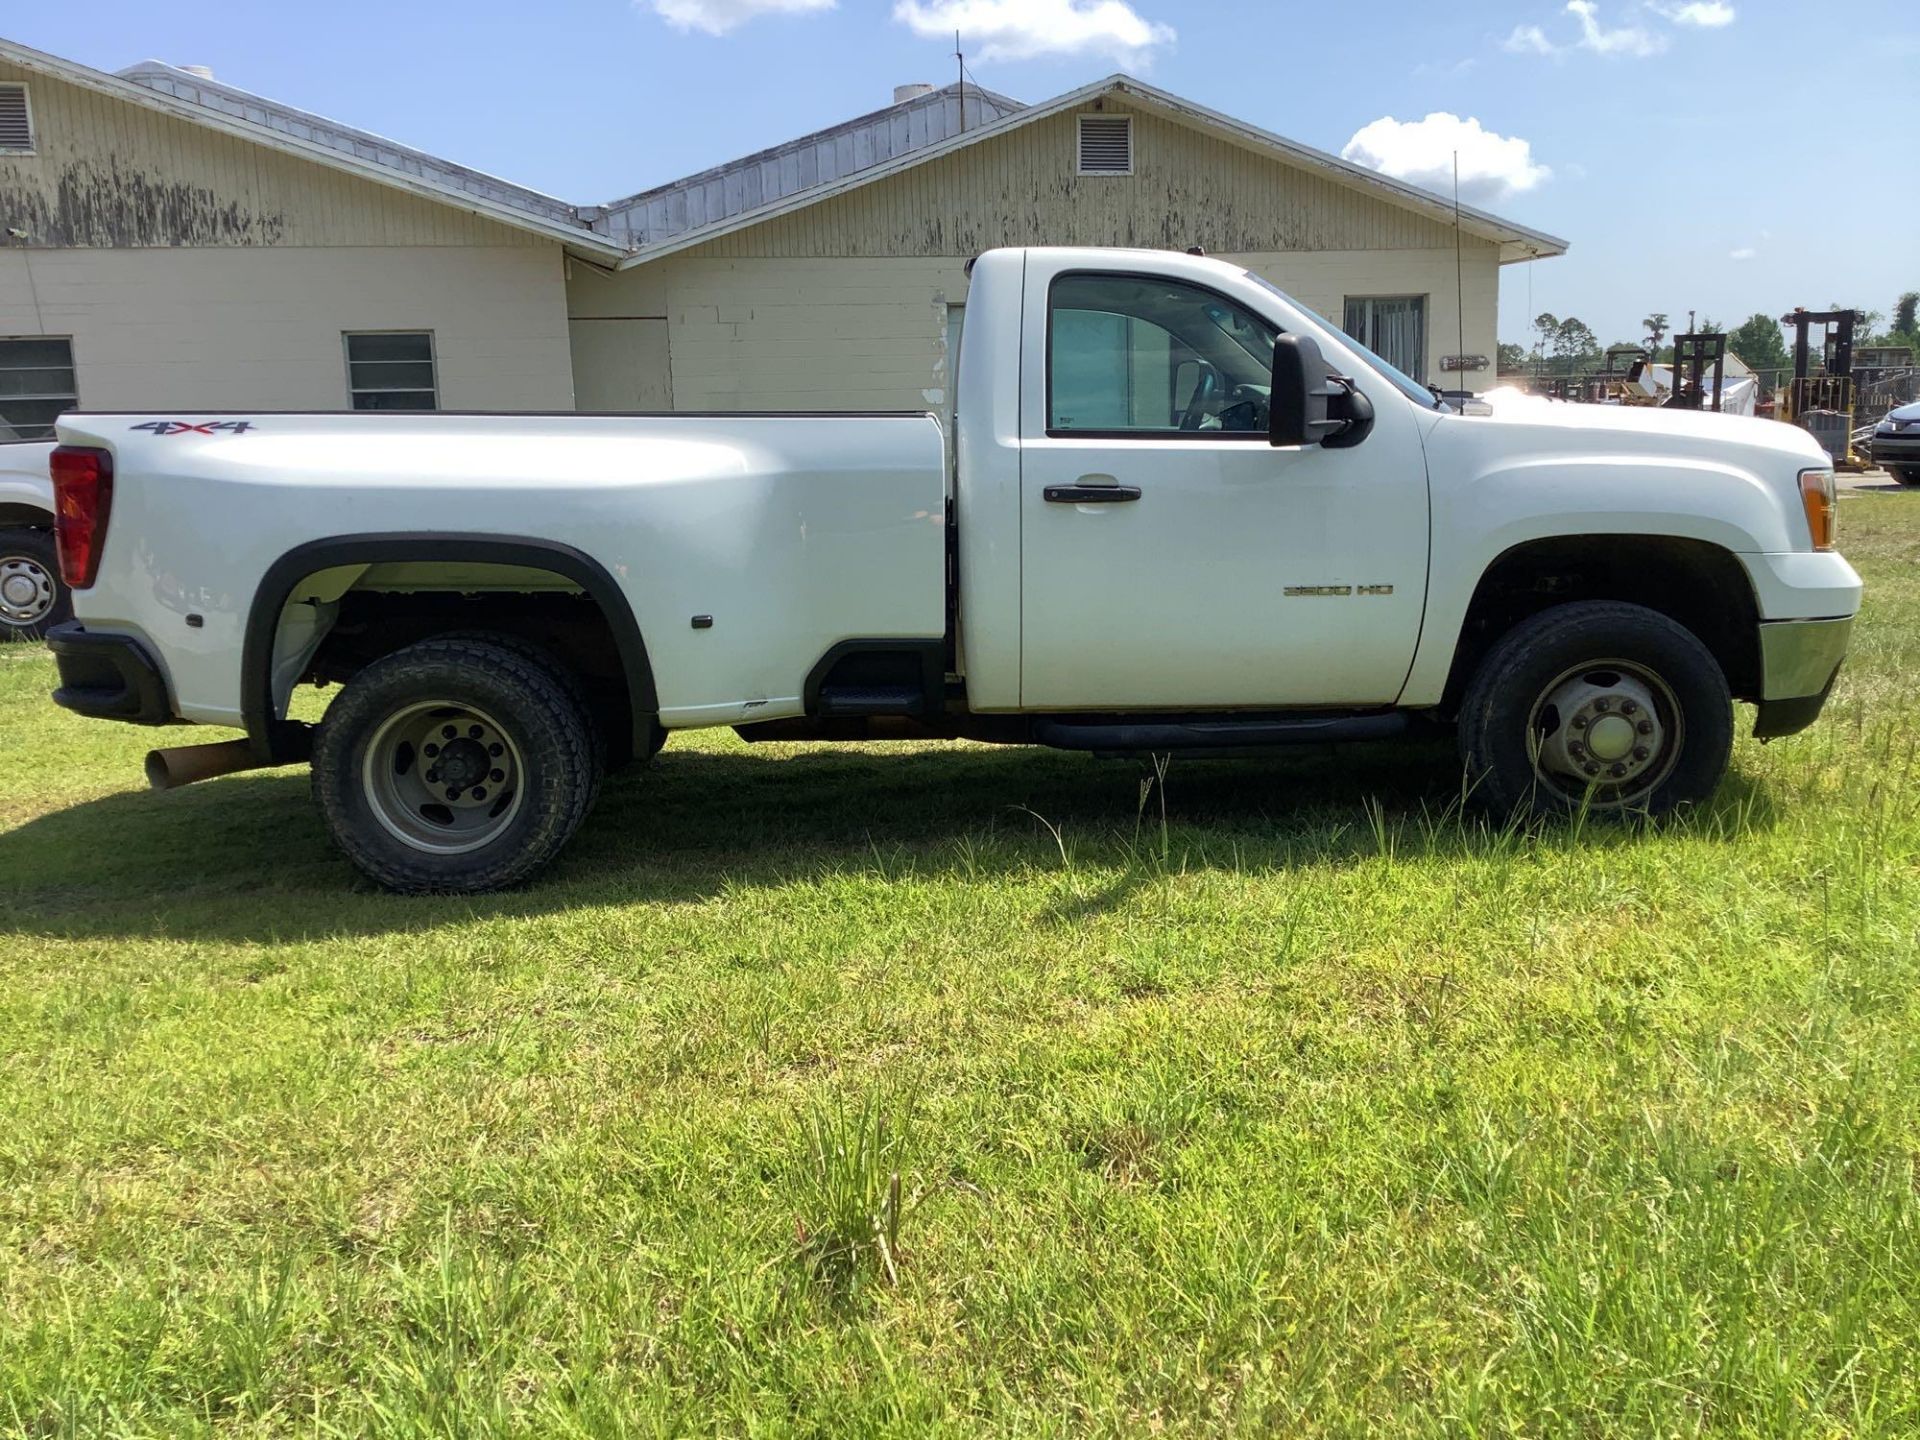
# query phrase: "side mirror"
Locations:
[[1310, 405]]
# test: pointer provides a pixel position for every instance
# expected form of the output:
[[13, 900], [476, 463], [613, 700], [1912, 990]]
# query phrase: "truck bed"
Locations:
[[786, 534]]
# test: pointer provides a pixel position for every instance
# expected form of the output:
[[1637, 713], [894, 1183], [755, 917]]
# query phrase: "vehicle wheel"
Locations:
[[454, 766], [1905, 474], [1598, 705], [32, 599], [598, 729]]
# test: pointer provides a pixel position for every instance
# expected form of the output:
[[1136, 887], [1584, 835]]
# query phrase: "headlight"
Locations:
[[1818, 498]]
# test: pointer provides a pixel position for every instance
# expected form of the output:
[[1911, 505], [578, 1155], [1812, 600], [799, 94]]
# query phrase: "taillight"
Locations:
[[82, 496]]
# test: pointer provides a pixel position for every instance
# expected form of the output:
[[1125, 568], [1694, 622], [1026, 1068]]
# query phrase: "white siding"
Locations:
[[871, 334], [259, 328]]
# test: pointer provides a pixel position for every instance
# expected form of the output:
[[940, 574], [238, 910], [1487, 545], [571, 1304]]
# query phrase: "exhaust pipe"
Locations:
[[184, 764]]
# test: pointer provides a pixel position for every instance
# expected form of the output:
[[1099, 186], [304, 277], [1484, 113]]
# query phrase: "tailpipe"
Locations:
[[179, 765]]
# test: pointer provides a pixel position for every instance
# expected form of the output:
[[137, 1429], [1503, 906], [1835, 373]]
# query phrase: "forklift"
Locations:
[[1694, 355], [1822, 404]]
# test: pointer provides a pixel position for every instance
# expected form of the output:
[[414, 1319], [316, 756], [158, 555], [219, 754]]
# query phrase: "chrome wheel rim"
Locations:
[[1606, 733], [26, 590], [443, 778]]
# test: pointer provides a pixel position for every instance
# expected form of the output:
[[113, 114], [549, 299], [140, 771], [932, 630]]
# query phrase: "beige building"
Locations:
[[173, 242]]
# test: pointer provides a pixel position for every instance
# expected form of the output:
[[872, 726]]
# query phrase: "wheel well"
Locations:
[[1693, 583], [30, 516], [332, 607], [568, 626]]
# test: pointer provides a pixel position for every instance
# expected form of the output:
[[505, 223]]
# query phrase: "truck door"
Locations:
[[1170, 556]]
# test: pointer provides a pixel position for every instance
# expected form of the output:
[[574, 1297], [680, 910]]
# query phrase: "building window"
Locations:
[[1147, 358], [1394, 327], [36, 384], [16, 119], [1106, 145], [391, 370]]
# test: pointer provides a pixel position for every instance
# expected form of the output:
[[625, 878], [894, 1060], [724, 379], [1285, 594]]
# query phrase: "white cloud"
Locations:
[[1622, 40], [1705, 14], [717, 17], [1492, 166], [1031, 29], [1745, 252], [1529, 40]]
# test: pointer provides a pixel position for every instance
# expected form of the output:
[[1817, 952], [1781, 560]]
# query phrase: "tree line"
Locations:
[[1570, 347]]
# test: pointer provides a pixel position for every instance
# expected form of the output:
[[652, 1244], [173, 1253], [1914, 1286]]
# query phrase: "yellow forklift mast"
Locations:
[[1822, 404]]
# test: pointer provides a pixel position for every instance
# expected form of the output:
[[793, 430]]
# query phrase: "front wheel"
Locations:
[[454, 766], [1908, 475], [32, 599], [1597, 706]]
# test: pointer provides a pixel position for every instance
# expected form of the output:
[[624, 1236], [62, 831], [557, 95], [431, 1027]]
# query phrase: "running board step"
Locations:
[[842, 700], [1221, 734]]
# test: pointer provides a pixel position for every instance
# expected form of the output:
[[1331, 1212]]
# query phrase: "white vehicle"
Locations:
[[32, 599], [1184, 514]]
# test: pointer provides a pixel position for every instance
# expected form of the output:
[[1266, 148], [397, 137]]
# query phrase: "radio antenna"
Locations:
[[1459, 267]]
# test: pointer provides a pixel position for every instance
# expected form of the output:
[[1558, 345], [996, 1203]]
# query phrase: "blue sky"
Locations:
[[1686, 148]]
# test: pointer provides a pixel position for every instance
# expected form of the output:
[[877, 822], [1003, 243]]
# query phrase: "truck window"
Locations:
[[1136, 356]]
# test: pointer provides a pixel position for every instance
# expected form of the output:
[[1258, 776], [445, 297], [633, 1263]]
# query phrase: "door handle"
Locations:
[[1090, 494]]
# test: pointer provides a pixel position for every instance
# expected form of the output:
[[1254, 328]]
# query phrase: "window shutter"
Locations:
[[1106, 144], [16, 131]]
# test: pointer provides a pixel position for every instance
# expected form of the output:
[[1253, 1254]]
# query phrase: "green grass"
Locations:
[[953, 1090]]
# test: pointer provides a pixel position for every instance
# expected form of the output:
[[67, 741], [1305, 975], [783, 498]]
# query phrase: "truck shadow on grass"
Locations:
[[244, 859]]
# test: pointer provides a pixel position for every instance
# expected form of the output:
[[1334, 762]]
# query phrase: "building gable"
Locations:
[[1188, 187], [104, 172]]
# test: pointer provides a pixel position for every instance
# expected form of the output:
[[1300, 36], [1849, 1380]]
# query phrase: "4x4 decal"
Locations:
[[190, 427]]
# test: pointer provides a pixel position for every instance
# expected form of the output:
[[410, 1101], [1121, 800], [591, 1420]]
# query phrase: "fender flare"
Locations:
[[280, 741]]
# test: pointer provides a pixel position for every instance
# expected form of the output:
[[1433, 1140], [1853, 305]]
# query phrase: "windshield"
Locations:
[[1406, 384]]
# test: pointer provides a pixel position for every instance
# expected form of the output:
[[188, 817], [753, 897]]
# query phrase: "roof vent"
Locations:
[[904, 93], [1106, 145], [16, 125], [204, 72]]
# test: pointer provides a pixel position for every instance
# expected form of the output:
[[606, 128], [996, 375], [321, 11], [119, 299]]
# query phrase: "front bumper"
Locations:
[[1799, 660], [1902, 448], [108, 677]]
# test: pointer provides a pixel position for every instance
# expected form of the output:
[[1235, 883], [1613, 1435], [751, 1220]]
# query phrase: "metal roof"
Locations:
[[797, 167], [743, 192], [347, 139]]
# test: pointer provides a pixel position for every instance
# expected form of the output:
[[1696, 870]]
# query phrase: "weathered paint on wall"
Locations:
[[107, 173], [1189, 187], [259, 327]]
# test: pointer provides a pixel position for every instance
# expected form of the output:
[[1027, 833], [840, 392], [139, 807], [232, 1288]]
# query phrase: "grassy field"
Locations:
[[1307, 1109]]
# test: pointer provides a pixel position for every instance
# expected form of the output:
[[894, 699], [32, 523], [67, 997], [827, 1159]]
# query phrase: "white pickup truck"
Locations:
[[1181, 513]]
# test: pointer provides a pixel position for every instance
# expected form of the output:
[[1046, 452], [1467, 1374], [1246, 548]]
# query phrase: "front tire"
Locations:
[[1597, 706], [454, 766], [32, 598], [1908, 475]]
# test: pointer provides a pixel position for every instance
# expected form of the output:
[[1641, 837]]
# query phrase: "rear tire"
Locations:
[[33, 599], [1598, 706], [454, 766]]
